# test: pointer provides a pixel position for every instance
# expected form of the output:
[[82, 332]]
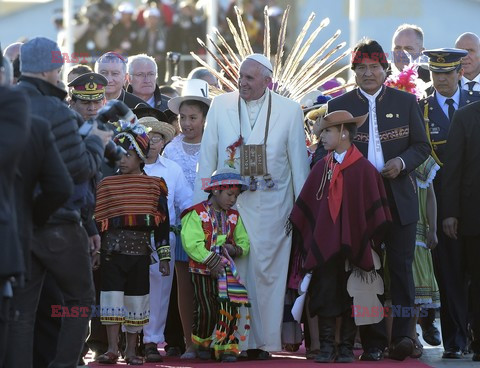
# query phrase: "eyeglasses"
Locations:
[[156, 139], [150, 75]]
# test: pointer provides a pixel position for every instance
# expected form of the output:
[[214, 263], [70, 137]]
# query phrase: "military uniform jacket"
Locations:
[[437, 124], [461, 172], [400, 126]]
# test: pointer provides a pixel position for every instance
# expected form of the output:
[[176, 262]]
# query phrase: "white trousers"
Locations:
[[160, 288]]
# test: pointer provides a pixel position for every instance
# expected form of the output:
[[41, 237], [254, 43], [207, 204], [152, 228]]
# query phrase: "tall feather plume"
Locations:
[[296, 47], [291, 78], [313, 60], [227, 47], [219, 76], [307, 72], [266, 33], [243, 31], [226, 64], [281, 44], [298, 57], [237, 40]]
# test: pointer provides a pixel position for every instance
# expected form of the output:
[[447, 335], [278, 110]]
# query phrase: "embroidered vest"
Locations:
[[232, 218]]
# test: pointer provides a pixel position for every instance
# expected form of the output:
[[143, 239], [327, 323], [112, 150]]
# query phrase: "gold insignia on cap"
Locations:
[[91, 86]]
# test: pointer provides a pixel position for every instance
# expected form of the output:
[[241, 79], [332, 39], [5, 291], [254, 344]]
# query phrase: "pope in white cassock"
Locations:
[[264, 211]]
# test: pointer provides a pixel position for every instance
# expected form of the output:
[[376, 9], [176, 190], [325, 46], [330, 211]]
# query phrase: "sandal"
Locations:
[[134, 360], [151, 353], [107, 358]]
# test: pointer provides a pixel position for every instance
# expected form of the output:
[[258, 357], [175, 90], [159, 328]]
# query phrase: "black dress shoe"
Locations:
[[372, 355], [401, 348], [476, 357], [345, 355], [258, 354], [431, 335], [452, 354]]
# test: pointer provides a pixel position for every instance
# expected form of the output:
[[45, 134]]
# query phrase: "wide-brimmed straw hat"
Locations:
[[193, 89], [223, 178], [340, 117], [155, 126]]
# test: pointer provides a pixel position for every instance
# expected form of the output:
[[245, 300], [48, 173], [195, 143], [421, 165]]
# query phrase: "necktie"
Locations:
[[471, 85], [451, 109]]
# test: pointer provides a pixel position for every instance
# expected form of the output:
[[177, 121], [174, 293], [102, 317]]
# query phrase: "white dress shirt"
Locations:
[[442, 101], [375, 152], [476, 86], [339, 156], [179, 192], [253, 109]]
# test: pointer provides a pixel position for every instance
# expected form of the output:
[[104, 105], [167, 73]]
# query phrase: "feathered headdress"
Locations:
[[292, 76]]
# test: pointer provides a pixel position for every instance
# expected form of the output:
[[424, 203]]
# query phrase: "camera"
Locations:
[[113, 111]]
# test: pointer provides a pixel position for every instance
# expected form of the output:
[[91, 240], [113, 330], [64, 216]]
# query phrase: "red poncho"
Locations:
[[352, 212]]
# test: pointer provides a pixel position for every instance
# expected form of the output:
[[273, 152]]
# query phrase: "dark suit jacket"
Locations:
[[161, 101], [400, 125], [130, 99], [461, 172], [43, 184], [15, 124]]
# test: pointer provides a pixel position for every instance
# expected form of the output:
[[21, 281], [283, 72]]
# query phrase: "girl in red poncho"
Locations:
[[337, 220]]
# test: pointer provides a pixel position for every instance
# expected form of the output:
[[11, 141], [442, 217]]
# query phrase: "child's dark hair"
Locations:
[[224, 187], [201, 105], [351, 128]]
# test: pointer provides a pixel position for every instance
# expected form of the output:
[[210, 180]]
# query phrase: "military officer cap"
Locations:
[[89, 87], [444, 60]]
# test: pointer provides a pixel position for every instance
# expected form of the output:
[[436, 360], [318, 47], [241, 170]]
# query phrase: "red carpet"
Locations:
[[279, 360]]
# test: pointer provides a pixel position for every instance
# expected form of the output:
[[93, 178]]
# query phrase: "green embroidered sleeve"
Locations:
[[193, 238], [241, 237]]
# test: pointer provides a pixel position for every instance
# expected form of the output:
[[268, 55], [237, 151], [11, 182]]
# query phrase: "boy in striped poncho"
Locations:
[[131, 207]]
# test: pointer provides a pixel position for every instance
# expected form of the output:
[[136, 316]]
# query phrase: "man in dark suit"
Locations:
[[446, 70], [461, 180], [394, 141]]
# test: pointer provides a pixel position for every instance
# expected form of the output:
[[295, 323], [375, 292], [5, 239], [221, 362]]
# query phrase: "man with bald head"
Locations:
[[407, 45], [244, 120], [470, 63]]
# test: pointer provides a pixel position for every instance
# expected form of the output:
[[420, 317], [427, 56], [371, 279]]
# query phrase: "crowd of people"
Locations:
[[130, 206]]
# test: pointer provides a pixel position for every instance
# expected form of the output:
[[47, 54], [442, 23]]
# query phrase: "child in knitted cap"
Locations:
[[130, 207], [213, 234]]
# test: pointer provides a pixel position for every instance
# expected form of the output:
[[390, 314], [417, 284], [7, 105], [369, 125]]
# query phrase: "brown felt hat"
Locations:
[[340, 117]]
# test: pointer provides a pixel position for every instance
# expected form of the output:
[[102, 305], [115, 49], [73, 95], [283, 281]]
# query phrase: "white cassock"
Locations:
[[265, 211]]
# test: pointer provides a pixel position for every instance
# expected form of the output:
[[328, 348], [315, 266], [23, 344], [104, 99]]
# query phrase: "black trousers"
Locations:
[[449, 266], [173, 327], [400, 248], [472, 253], [62, 250]]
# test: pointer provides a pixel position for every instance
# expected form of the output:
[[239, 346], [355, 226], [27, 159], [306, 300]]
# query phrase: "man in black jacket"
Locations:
[[13, 122], [60, 247], [460, 195], [142, 78], [394, 141]]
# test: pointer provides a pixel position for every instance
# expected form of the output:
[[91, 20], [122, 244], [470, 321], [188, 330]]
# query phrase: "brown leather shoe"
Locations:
[[401, 348], [107, 358]]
